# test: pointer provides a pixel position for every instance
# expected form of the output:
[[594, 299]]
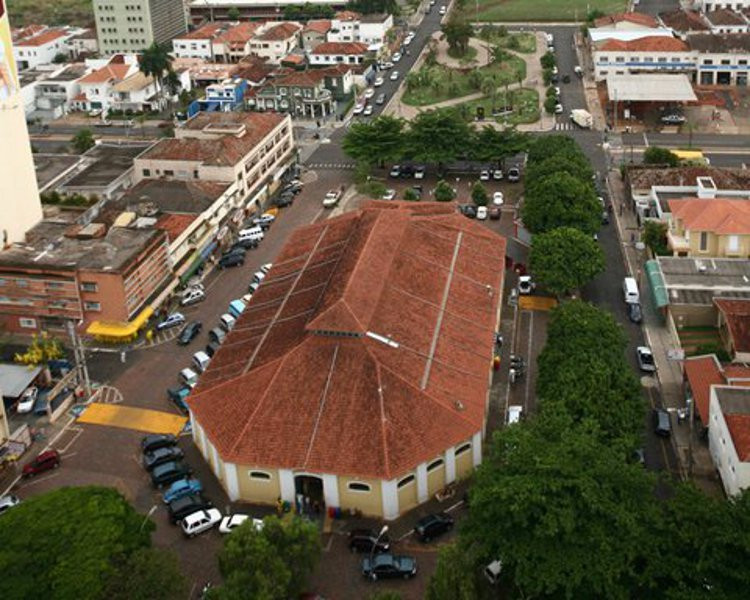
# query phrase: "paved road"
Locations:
[[678, 140], [654, 7]]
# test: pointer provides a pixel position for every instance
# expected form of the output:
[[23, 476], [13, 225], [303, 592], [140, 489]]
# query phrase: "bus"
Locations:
[[691, 157]]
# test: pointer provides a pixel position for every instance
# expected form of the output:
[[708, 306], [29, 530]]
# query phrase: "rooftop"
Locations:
[[736, 314], [340, 48], [722, 216], [49, 167], [69, 73], [320, 25], [239, 33], [111, 161], [136, 81], [191, 197], [728, 43], [368, 345], [109, 72], [643, 177], [718, 276], [650, 87], [46, 245], [207, 32], [277, 33], [684, 20], [735, 405], [651, 43], [630, 17], [724, 16], [40, 39], [174, 224]]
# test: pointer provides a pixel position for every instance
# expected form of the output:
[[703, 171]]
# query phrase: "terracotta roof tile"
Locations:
[[320, 26], [651, 43], [347, 15], [631, 17], [174, 224], [208, 32], [739, 429], [684, 20], [279, 32], [702, 372], [736, 313], [340, 48], [40, 39], [723, 216], [110, 72], [724, 16], [340, 400], [239, 34]]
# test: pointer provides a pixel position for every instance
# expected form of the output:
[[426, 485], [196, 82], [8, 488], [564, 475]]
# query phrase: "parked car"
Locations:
[[192, 296], [645, 359], [389, 195], [247, 242], [187, 505], [217, 334], [514, 175], [495, 213], [189, 332], [389, 566], [178, 395], [358, 108], [231, 260], [419, 171], [482, 213], [49, 459], [169, 473], [212, 348], [484, 175], [378, 81], [161, 456], [154, 441], [264, 221], [226, 322], [171, 321], [233, 521], [363, 540], [259, 276], [396, 57], [368, 110], [181, 488], [369, 93], [394, 75], [332, 199], [27, 400], [497, 174], [498, 198], [559, 109], [8, 502], [662, 424], [433, 525], [200, 521], [284, 200], [395, 171], [469, 210], [380, 99], [673, 119], [442, 10], [634, 312], [525, 284]]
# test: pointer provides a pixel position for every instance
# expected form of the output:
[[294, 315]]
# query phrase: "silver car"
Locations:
[[645, 359]]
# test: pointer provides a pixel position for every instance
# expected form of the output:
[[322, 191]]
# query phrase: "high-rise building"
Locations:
[[20, 208], [132, 25]]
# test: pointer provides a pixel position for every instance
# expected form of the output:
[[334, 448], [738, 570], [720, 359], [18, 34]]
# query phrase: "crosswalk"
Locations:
[[564, 126], [332, 166]]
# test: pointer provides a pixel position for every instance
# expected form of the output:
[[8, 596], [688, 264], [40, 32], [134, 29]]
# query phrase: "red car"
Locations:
[[47, 460]]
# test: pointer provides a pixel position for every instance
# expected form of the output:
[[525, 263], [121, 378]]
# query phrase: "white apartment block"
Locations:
[[42, 48], [347, 26], [132, 25], [273, 42], [729, 436]]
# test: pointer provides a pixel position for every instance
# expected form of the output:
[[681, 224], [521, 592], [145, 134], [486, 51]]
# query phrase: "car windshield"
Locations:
[[647, 358]]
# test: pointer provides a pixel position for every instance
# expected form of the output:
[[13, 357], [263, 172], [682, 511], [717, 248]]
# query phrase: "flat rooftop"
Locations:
[[190, 197], [701, 280], [110, 162], [49, 167], [47, 246], [643, 177], [69, 73]]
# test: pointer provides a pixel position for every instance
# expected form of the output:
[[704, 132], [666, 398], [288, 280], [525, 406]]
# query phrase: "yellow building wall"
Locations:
[[435, 480], [262, 491], [370, 503], [407, 496], [464, 465]]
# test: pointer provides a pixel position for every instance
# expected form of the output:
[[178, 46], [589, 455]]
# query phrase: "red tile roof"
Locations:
[[631, 17], [239, 34], [739, 429], [47, 36], [704, 371], [651, 43], [724, 16], [366, 350], [20, 33], [340, 48], [222, 151], [724, 216], [293, 59], [174, 224], [684, 20], [110, 72], [279, 32], [208, 32], [736, 313], [347, 15], [320, 26]]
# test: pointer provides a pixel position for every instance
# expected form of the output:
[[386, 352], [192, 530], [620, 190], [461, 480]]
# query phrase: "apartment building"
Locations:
[[709, 227], [63, 271], [216, 42], [97, 87], [250, 149], [198, 43], [650, 54], [729, 436], [132, 25], [274, 42], [348, 26], [41, 48], [55, 93]]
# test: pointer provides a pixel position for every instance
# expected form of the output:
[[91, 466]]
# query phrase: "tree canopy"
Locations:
[[68, 543], [494, 145], [574, 164], [479, 194], [457, 33], [547, 146], [376, 142], [83, 140], [438, 136], [560, 200], [444, 192], [654, 155], [565, 259]]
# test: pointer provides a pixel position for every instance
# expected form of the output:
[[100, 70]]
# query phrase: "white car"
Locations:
[[394, 75], [27, 400], [498, 199], [171, 321], [525, 284], [484, 175], [386, 65], [266, 268], [369, 93], [515, 412], [557, 91], [368, 110], [192, 296], [407, 40], [231, 521], [558, 109], [442, 10], [200, 521], [396, 57], [331, 199], [264, 219], [482, 213], [378, 81], [389, 195], [8, 502], [645, 359], [358, 109], [497, 174]]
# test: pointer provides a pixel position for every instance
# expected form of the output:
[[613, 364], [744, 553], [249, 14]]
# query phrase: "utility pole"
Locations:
[[79, 355]]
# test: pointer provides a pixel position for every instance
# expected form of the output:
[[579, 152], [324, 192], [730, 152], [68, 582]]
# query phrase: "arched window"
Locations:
[[463, 448], [435, 464], [262, 475], [405, 481], [357, 486]]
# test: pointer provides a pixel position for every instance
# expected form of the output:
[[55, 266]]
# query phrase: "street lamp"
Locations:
[[383, 531], [148, 515]]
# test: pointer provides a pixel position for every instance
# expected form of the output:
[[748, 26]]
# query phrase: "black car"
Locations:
[[634, 312], [431, 526], [211, 348], [469, 210], [231, 260], [389, 566], [189, 332], [161, 456], [363, 540], [157, 440], [294, 188], [286, 199], [169, 473], [247, 243], [187, 505], [662, 424], [235, 249]]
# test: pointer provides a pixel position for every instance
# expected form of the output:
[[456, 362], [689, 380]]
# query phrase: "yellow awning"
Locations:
[[121, 331]]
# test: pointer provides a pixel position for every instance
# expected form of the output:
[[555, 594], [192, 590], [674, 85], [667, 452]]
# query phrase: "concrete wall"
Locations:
[[255, 489], [686, 315], [369, 502], [407, 493]]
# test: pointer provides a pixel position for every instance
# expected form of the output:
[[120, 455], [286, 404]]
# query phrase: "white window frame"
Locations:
[[27, 323]]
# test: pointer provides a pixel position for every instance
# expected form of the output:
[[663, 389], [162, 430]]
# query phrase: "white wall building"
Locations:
[[348, 26], [273, 42], [729, 436], [721, 59], [334, 53], [643, 55], [42, 48]]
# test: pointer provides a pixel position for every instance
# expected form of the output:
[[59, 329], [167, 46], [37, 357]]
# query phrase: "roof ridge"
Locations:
[[321, 403], [383, 419]]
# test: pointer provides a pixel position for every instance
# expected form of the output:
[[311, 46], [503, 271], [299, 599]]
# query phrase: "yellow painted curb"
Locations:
[[128, 417]]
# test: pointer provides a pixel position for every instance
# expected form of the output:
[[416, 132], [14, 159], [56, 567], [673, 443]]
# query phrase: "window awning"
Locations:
[[657, 283], [663, 87]]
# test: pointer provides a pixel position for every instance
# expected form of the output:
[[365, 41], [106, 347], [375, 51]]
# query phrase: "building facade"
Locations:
[[729, 436], [41, 48], [132, 25], [711, 227], [275, 41], [338, 53]]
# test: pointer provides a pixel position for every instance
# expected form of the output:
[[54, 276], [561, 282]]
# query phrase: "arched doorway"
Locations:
[[308, 494]]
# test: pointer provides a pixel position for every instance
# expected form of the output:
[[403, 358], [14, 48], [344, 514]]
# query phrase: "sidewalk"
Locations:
[[669, 381]]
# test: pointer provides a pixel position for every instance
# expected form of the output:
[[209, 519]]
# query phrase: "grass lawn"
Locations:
[[524, 41], [543, 10], [525, 104], [439, 83]]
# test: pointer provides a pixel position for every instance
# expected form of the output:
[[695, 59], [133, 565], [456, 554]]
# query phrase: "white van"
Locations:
[[251, 232], [189, 377], [630, 291], [201, 360], [514, 414], [493, 571], [227, 321]]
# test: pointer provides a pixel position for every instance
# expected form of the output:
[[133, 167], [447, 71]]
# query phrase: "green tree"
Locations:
[[561, 200], [655, 237], [83, 140], [233, 14], [576, 165], [495, 145], [550, 103], [444, 192], [479, 194], [376, 142], [67, 543], [552, 145], [654, 155], [271, 563], [454, 577], [411, 195], [60, 58], [565, 259], [547, 60], [157, 63], [147, 574], [547, 501], [457, 32], [438, 136]]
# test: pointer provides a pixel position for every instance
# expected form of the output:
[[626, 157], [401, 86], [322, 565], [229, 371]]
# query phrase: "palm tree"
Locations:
[[156, 63]]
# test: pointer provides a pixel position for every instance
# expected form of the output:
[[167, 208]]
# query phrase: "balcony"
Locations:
[[322, 96]]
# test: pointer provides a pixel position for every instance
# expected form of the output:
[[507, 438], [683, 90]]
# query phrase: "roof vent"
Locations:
[[458, 404]]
